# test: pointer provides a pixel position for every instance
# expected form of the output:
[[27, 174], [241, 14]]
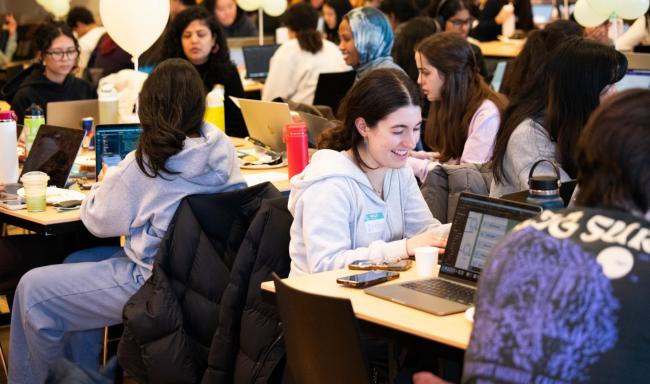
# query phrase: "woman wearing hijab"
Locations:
[[366, 40]]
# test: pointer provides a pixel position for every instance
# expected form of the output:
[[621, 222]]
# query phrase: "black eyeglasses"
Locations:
[[60, 55], [460, 22]]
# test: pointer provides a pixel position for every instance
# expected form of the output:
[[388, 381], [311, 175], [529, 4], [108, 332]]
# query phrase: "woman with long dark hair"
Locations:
[[465, 113], [295, 66], [195, 36], [357, 199], [534, 55], [546, 122], [177, 155]]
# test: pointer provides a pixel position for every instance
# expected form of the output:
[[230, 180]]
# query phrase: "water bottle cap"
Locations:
[[34, 110], [543, 183], [8, 115]]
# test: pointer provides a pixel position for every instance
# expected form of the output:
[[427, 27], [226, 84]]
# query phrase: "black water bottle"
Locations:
[[545, 190]]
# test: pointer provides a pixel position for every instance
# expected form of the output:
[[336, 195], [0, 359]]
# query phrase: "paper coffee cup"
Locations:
[[35, 185], [426, 261]]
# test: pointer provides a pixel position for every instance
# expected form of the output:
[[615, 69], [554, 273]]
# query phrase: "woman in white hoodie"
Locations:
[[357, 199]]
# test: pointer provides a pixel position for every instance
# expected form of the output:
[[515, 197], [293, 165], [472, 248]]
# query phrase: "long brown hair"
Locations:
[[579, 70], [377, 95], [172, 103], [462, 93]]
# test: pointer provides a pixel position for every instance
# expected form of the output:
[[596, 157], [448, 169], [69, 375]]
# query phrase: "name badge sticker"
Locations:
[[375, 222]]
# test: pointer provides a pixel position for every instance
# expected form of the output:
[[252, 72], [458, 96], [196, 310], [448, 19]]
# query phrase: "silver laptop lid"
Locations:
[[479, 223], [69, 113]]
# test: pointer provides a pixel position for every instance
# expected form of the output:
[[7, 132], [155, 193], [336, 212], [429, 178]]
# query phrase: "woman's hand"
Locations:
[[425, 155], [425, 239]]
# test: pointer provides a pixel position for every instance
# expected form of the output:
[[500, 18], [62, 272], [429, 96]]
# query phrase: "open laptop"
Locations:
[[265, 121], [70, 113], [53, 152], [113, 142], [479, 223], [315, 127], [497, 77], [332, 87], [257, 60]]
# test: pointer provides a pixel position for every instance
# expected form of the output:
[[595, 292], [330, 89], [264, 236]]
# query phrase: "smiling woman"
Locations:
[[357, 200], [51, 79]]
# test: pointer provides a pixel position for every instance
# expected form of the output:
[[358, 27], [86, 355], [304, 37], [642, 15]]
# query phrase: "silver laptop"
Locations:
[[69, 113], [265, 121], [315, 126], [479, 223]]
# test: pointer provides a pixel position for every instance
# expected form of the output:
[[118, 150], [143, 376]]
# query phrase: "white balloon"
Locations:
[[274, 7], [249, 5], [586, 16], [631, 9], [603, 7], [134, 25], [56, 7]]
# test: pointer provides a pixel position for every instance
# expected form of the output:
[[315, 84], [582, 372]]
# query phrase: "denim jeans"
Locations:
[[59, 311]]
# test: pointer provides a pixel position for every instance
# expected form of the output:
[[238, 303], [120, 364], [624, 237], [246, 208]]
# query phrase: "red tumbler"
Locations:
[[295, 135]]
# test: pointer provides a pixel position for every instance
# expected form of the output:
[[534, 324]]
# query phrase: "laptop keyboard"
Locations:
[[443, 289]]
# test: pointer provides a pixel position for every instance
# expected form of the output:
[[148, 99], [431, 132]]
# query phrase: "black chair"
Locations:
[[321, 336], [331, 88]]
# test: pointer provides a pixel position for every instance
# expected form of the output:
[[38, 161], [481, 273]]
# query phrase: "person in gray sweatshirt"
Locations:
[[57, 309], [357, 199]]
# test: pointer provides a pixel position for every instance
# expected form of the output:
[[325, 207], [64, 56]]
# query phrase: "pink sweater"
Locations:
[[478, 148]]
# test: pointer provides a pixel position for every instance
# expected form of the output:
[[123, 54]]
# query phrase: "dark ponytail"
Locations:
[[302, 19]]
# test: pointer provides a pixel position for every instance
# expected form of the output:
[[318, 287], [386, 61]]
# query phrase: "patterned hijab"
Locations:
[[372, 34]]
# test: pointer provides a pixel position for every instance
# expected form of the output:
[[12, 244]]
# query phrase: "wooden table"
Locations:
[[452, 330], [502, 49], [51, 222]]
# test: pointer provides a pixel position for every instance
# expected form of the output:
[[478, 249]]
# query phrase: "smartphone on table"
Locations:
[[366, 265], [11, 201], [367, 279]]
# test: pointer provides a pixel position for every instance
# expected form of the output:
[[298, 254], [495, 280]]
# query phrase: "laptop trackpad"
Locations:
[[424, 302]]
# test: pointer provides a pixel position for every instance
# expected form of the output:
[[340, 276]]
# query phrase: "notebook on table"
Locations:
[[70, 113], [113, 142], [53, 152], [479, 223]]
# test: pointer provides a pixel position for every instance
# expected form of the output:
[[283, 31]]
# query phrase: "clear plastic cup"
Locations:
[[426, 260], [35, 184]]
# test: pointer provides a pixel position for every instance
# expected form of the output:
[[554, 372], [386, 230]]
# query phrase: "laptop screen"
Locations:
[[53, 152], [634, 78], [479, 223], [113, 142], [497, 78], [257, 60]]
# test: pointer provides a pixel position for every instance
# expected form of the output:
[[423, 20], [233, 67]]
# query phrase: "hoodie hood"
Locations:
[[205, 160], [326, 164]]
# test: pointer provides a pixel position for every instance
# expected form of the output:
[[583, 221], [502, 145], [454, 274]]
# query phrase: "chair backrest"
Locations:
[[331, 88], [321, 336]]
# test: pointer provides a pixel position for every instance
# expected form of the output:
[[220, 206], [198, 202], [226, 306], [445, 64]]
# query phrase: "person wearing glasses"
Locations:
[[455, 16], [52, 79]]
